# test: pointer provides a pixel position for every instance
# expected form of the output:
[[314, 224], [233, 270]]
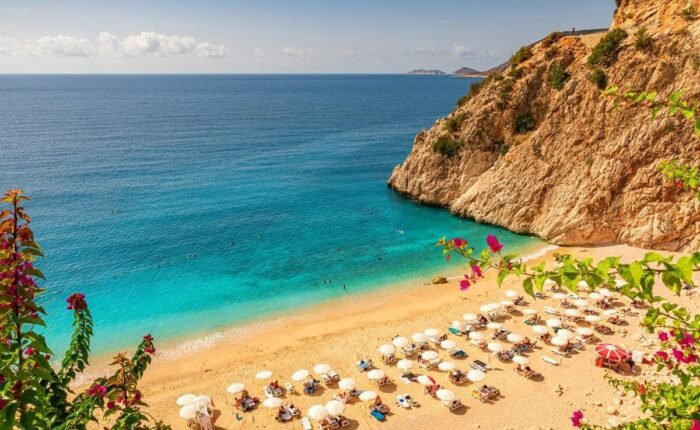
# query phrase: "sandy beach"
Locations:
[[340, 332]]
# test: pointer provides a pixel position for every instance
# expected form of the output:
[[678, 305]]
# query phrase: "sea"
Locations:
[[181, 205]]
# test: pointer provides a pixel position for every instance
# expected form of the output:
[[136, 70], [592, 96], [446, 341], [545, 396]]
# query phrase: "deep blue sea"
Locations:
[[183, 204]]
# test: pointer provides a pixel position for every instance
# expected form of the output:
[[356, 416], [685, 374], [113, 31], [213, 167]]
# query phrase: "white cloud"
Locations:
[[258, 52], [348, 52], [209, 50], [296, 52], [147, 43], [424, 50], [65, 46], [460, 51]]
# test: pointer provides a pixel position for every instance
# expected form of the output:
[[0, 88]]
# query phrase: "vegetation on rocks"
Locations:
[[599, 78], [523, 54], [642, 39], [558, 76], [447, 146], [690, 13], [524, 123], [606, 51]]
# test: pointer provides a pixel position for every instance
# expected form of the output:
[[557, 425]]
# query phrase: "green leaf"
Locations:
[[652, 96], [528, 287]]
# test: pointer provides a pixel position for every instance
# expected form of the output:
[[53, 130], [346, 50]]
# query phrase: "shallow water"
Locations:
[[182, 204]]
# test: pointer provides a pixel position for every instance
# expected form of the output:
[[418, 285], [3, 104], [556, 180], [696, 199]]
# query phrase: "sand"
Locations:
[[340, 332]]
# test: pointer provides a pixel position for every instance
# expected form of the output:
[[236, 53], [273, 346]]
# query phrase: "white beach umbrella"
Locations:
[[335, 407], [494, 347], [263, 374], [521, 360], [559, 296], [514, 337], [347, 384], [317, 412], [559, 341], [202, 401], [530, 311], [486, 308], [399, 342], [419, 337], [592, 318], [582, 284], [272, 402], [605, 292], [595, 296], [431, 332], [609, 312], [512, 294], [475, 335], [368, 396], [445, 395], [548, 283], [235, 388], [584, 331], [446, 366], [476, 375], [376, 374], [507, 303], [448, 344], [404, 364], [494, 326], [456, 324], [322, 369], [387, 349], [495, 306], [572, 313], [189, 412], [425, 380], [429, 355], [581, 303], [566, 334], [619, 283], [553, 322], [186, 399], [539, 329], [300, 375], [469, 317]]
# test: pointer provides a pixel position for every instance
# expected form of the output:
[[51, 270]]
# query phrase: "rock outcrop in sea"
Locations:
[[537, 149]]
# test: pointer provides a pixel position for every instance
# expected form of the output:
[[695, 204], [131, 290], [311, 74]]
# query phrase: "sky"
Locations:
[[275, 36]]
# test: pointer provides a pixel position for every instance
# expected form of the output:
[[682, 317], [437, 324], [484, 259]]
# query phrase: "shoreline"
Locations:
[[340, 332], [192, 343]]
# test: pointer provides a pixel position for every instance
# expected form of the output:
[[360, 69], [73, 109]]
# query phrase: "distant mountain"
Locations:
[[426, 72]]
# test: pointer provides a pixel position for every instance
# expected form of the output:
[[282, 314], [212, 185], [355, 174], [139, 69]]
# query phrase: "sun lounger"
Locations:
[[408, 350], [529, 374], [402, 401], [389, 359], [550, 360], [603, 329], [306, 423], [478, 343], [485, 393], [559, 352], [365, 365], [453, 404], [378, 415], [284, 417], [455, 331], [505, 355], [550, 310], [458, 353], [289, 388], [479, 365]]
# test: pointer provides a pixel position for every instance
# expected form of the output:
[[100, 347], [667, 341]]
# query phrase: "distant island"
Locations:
[[426, 72]]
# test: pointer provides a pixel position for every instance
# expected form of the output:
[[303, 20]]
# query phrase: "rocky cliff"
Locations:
[[538, 150]]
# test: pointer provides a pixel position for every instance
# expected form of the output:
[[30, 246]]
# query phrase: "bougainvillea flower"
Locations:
[[687, 341], [576, 418], [97, 390], [662, 354], [77, 302], [459, 242], [464, 284], [493, 243], [476, 270], [695, 425], [663, 336]]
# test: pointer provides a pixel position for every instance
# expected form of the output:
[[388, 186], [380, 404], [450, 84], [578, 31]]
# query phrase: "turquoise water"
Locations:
[[182, 204]]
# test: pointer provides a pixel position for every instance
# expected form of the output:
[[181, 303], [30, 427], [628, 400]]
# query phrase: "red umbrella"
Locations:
[[611, 352]]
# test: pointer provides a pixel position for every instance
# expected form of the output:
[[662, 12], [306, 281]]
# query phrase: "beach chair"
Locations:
[[389, 359], [550, 360], [559, 352], [365, 365], [453, 404], [481, 344], [603, 329], [290, 388], [458, 353], [284, 417], [505, 355], [402, 401], [550, 311], [529, 374], [269, 393], [479, 365], [377, 415], [306, 423], [485, 393], [455, 331], [408, 350]]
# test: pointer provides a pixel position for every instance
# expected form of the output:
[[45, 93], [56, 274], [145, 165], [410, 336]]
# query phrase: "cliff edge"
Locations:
[[538, 150]]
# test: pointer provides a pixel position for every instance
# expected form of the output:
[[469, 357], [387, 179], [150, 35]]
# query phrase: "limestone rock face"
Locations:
[[588, 172]]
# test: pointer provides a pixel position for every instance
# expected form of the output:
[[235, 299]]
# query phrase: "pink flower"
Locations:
[[77, 302], [459, 242], [663, 336], [464, 284], [576, 418], [493, 243], [695, 425], [97, 391], [662, 355], [476, 270], [688, 341]]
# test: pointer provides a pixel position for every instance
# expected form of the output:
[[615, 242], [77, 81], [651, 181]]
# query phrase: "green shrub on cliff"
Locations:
[[523, 54], [599, 78], [558, 76], [447, 146], [606, 51], [642, 39], [690, 13], [453, 123], [551, 39], [524, 123]]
